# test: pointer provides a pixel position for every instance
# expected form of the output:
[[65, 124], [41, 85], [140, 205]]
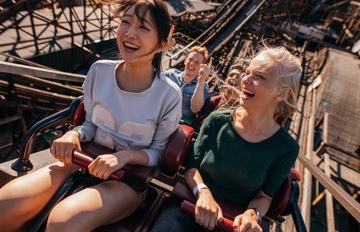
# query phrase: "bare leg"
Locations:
[[24, 197], [92, 207]]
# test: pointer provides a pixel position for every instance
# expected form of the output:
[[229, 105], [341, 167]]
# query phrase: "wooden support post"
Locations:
[[347, 201], [329, 199], [307, 184], [328, 196]]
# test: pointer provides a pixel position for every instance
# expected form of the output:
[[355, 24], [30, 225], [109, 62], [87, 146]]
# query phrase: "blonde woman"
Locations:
[[242, 156]]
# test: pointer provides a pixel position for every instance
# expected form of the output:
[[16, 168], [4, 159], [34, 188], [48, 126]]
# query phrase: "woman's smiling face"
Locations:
[[259, 86], [137, 36]]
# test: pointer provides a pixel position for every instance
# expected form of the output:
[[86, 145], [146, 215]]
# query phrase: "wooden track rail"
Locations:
[[6, 67], [212, 30], [349, 203]]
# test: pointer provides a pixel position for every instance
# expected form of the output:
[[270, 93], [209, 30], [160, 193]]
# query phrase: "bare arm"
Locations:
[[249, 220], [197, 100], [207, 211]]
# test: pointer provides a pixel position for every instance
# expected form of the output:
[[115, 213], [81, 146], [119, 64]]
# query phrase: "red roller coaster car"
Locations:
[[140, 177]]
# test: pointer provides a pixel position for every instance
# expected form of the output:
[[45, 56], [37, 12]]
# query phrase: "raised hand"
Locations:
[[205, 70], [170, 40]]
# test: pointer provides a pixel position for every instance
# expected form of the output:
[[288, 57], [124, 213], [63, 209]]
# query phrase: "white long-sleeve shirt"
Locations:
[[119, 119]]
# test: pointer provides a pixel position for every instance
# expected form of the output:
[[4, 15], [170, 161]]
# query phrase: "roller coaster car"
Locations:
[[139, 177]]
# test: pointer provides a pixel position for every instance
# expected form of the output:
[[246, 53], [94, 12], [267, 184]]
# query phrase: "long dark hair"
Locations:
[[160, 14]]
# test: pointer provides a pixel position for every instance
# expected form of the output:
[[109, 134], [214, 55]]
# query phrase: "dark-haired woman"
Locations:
[[130, 108]]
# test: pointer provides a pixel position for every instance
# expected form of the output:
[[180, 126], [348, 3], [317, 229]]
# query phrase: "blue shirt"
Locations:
[[187, 90]]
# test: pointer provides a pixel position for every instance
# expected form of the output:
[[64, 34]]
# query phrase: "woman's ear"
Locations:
[[163, 47], [283, 94]]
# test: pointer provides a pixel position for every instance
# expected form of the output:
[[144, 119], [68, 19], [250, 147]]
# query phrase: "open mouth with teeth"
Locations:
[[246, 94], [130, 47]]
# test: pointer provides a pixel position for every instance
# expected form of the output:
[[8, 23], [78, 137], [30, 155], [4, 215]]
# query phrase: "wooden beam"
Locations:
[[29, 107], [24, 61], [8, 67], [46, 85], [307, 178], [9, 119], [328, 197], [37, 94], [349, 203], [318, 198]]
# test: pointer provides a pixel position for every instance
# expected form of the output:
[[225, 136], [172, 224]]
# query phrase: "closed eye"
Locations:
[[142, 26], [124, 21], [256, 76]]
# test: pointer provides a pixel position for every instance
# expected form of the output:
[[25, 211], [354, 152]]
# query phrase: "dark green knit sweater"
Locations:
[[234, 169]]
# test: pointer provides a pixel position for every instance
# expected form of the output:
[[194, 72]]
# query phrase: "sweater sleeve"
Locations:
[[167, 125], [278, 172], [88, 129]]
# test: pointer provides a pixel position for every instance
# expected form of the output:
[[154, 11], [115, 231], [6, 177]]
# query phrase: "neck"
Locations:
[[254, 127], [139, 70], [135, 78], [187, 78]]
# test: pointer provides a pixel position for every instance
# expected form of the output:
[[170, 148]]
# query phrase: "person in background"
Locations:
[[226, 99], [192, 82], [213, 83], [243, 155], [130, 107]]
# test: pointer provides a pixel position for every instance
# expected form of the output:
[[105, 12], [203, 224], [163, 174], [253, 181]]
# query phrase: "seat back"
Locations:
[[280, 201], [78, 117], [176, 149]]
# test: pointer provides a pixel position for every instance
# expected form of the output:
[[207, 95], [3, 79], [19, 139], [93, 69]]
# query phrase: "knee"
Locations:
[[62, 218], [13, 208]]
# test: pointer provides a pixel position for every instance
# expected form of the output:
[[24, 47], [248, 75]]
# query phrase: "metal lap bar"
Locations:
[[83, 159], [23, 164]]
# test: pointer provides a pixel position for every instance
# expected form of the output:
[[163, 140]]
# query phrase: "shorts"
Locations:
[[87, 180]]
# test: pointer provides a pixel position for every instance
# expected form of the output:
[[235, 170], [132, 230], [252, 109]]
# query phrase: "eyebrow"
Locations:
[[143, 20], [255, 71]]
